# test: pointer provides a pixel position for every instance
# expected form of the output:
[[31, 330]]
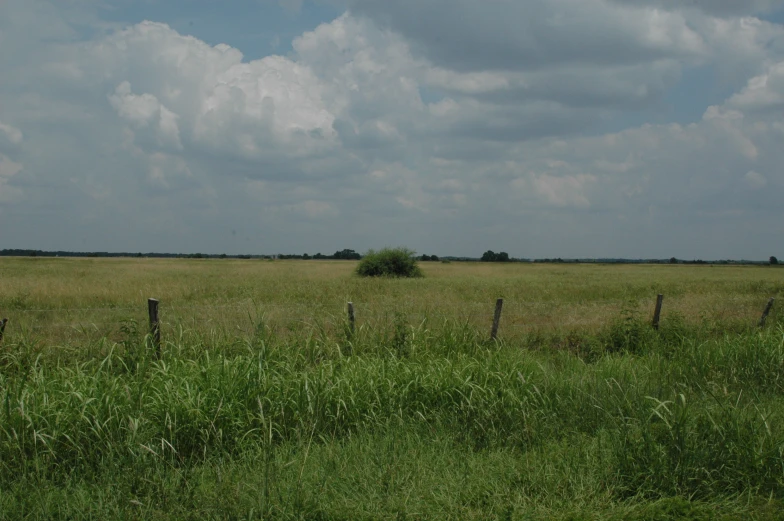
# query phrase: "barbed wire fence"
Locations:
[[514, 315]]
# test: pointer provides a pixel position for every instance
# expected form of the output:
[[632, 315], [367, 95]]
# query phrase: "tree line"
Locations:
[[349, 254]]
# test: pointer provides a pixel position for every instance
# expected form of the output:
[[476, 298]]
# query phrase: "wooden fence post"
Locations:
[[351, 321], [657, 311], [766, 312], [155, 325], [3, 322], [499, 304]]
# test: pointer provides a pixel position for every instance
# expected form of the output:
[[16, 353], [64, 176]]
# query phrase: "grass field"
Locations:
[[262, 406]]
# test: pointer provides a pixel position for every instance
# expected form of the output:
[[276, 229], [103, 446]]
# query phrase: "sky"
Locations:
[[543, 128]]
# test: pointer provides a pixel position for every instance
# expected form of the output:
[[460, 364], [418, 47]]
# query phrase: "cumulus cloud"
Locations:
[[762, 93], [146, 111], [188, 90]]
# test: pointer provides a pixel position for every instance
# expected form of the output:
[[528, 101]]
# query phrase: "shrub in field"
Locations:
[[389, 262], [627, 334]]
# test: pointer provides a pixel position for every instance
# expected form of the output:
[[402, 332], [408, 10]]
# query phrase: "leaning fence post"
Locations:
[[499, 304], [155, 325], [657, 311], [351, 321], [766, 312], [3, 322]]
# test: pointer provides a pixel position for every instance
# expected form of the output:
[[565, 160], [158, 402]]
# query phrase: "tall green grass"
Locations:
[[404, 421]]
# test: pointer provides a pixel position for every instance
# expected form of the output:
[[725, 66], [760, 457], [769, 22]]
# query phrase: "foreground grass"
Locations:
[[450, 429]]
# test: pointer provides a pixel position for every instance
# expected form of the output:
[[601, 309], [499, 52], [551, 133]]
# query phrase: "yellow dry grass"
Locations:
[[63, 300]]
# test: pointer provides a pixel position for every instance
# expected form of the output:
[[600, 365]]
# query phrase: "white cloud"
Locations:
[[12, 134], [210, 96], [564, 191], [741, 46], [755, 179], [146, 111], [762, 93]]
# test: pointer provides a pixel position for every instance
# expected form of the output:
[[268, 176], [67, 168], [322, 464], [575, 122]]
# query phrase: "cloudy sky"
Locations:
[[569, 128]]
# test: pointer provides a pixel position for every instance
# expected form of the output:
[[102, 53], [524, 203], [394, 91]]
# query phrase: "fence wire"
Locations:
[[518, 315]]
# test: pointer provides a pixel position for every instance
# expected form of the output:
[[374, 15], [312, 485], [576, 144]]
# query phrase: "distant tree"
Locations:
[[491, 256], [673, 260], [773, 260], [347, 255], [222, 255]]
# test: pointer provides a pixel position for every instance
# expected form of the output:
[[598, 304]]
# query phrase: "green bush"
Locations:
[[389, 262], [627, 334]]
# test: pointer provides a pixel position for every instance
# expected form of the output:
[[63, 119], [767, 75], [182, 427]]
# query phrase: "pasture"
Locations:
[[263, 404]]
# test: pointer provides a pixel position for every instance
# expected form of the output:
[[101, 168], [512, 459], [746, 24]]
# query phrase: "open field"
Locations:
[[263, 407], [66, 300]]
